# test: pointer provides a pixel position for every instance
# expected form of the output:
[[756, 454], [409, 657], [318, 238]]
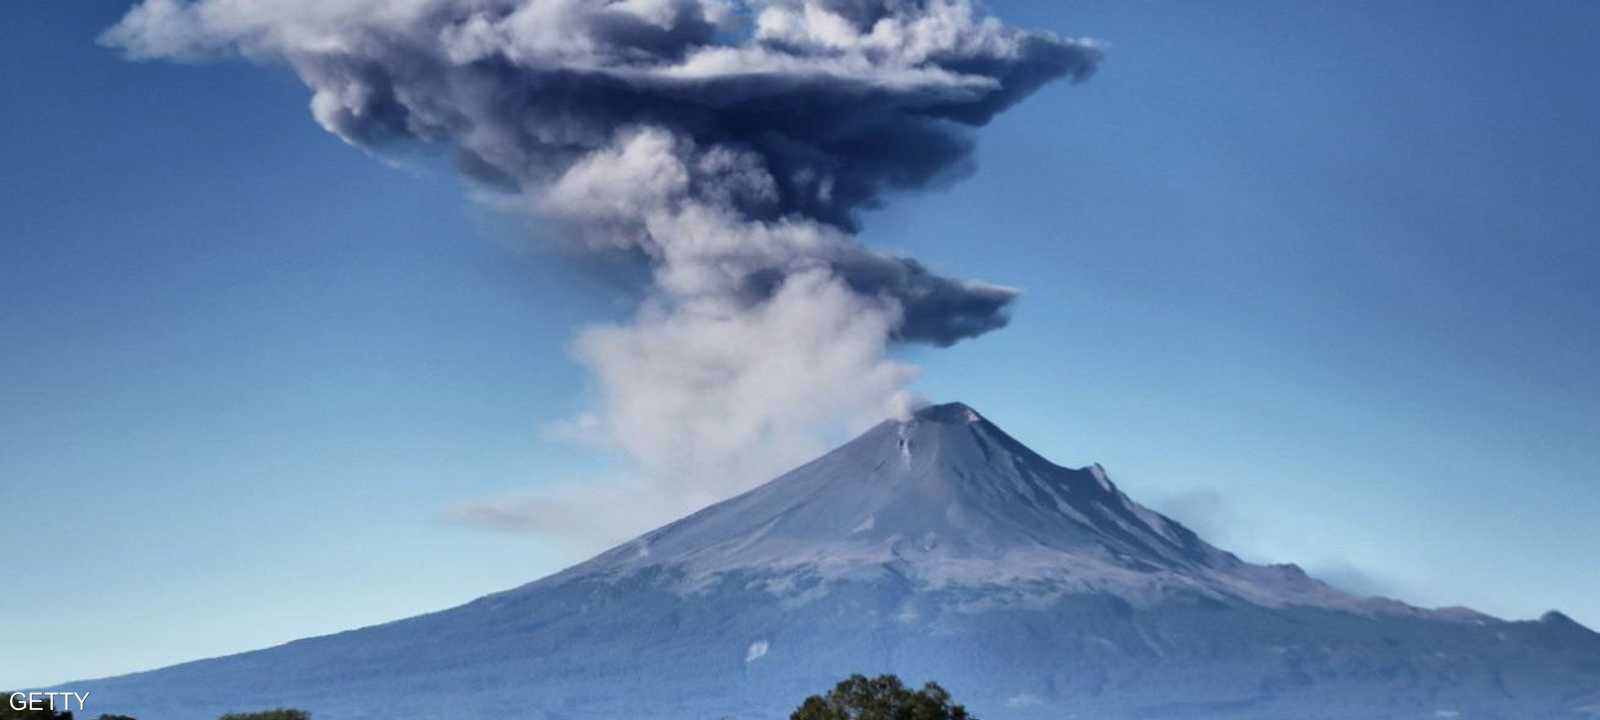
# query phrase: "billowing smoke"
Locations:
[[729, 145]]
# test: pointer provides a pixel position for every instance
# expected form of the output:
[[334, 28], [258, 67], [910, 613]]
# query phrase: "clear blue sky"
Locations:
[[1317, 278]]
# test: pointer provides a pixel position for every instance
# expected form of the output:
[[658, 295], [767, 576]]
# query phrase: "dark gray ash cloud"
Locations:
[[729, 144]]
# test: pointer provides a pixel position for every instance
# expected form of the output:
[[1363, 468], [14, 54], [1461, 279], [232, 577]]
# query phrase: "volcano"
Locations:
[[938, 548]]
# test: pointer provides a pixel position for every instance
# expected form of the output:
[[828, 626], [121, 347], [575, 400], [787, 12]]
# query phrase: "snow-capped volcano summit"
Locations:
[[946, 498], [945, 485], [937, 547]]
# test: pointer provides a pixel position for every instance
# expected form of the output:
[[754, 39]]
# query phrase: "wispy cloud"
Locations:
[[584, 516], [1208, 512]]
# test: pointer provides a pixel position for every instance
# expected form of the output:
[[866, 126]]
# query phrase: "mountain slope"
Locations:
[[938, 548]]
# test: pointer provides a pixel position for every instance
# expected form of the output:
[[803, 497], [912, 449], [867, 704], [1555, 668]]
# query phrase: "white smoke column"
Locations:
[[724, 395], [710, 389], [728, 145]]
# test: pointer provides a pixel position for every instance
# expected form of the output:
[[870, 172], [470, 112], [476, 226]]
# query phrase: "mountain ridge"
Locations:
[[955, 444], [935, 546]]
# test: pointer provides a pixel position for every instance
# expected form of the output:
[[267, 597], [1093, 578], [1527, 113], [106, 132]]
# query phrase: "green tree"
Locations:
[[881, 698], [278, 714]]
